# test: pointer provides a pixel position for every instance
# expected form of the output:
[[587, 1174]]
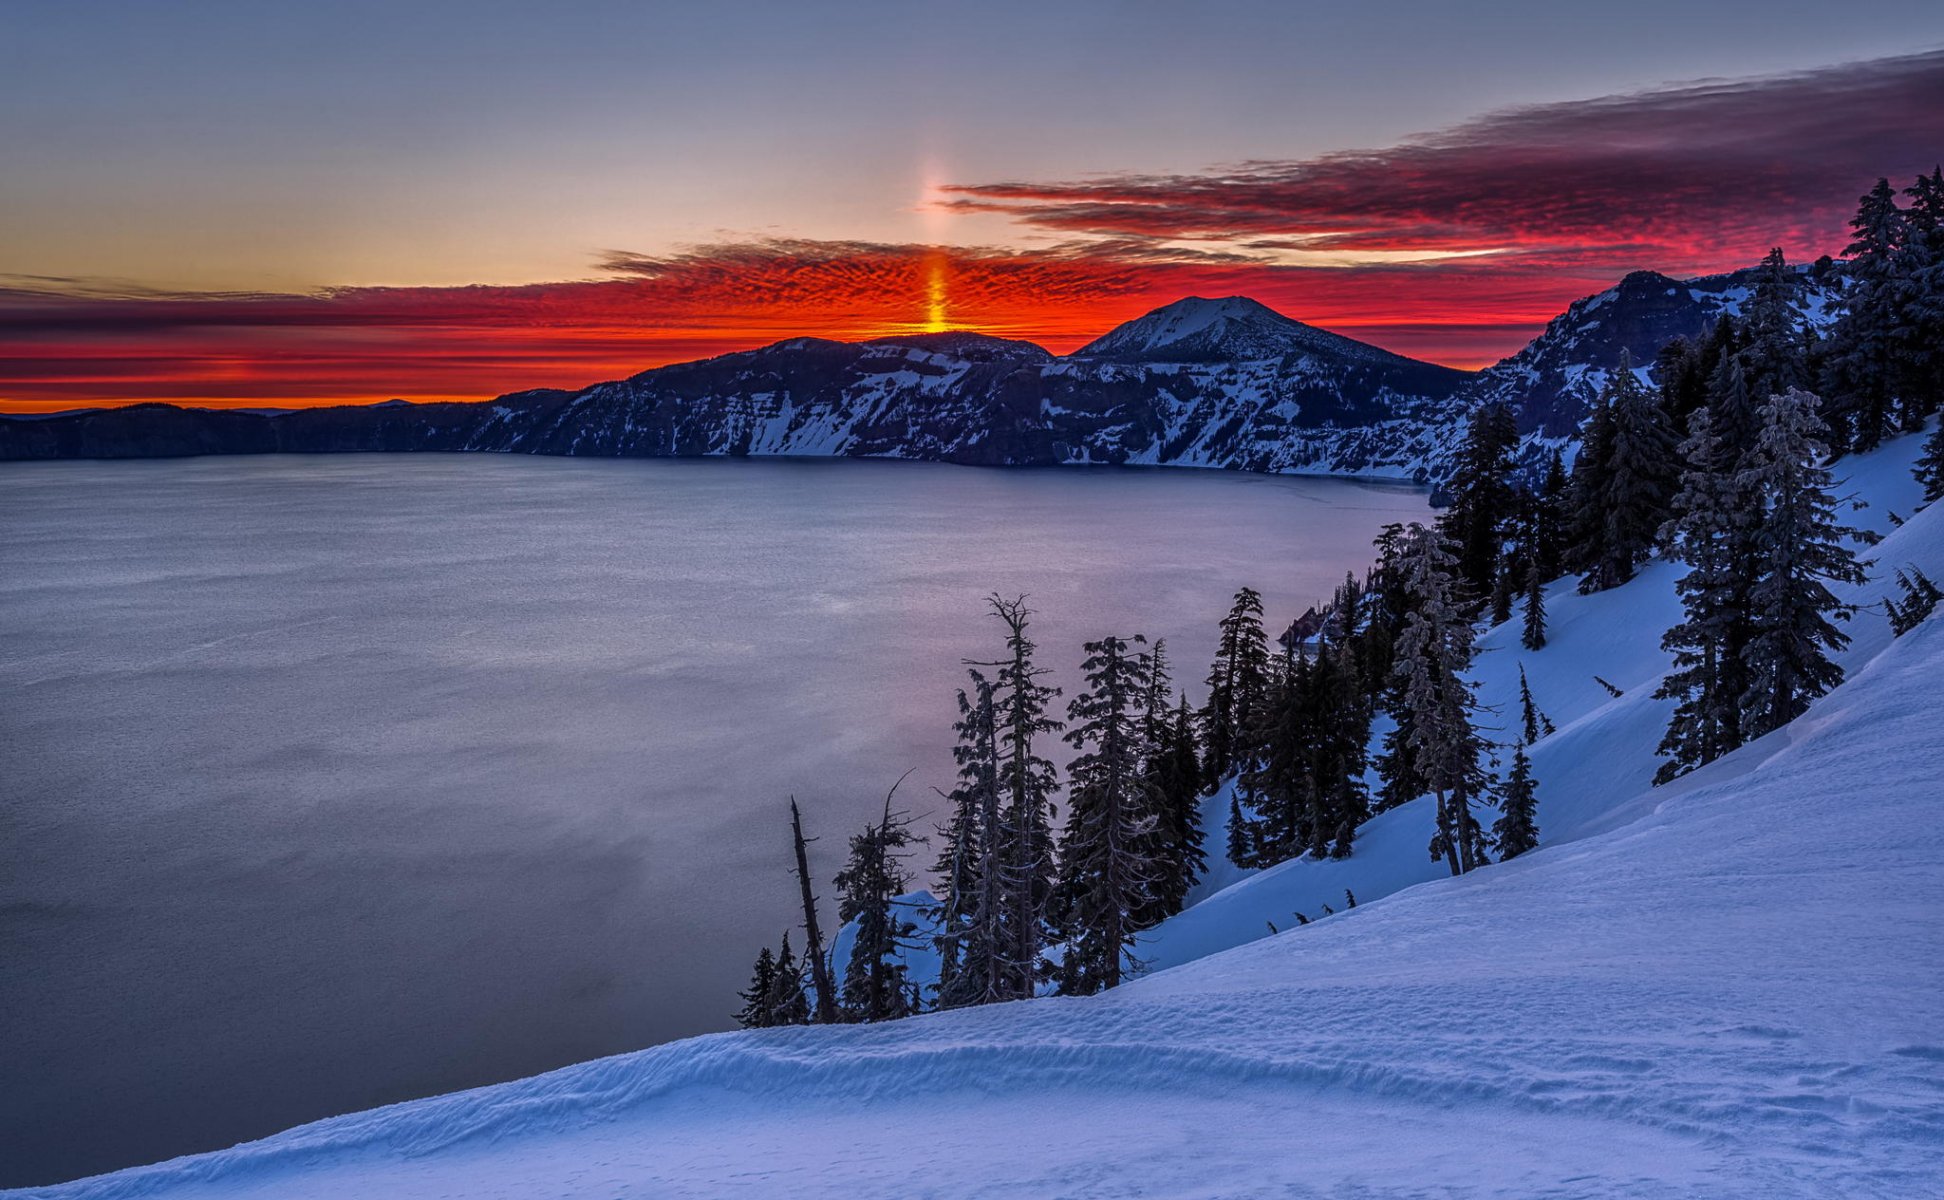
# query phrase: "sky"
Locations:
[[280, 204]]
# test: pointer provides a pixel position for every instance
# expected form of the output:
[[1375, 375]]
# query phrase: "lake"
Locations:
[[330, 782]]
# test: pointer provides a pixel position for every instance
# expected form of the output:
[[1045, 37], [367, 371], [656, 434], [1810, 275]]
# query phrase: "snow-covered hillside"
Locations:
[[1731, 986]]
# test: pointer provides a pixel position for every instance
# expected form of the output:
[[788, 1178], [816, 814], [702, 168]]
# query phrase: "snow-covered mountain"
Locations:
[[1231, 329], [1731, 986], [1549, 383], [1211, 383], [1205, 383]]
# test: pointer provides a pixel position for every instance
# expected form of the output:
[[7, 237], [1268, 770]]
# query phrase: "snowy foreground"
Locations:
[[1732, 986]]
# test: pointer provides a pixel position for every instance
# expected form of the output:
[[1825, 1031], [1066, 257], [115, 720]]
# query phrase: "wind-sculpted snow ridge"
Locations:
[[1729, 987]]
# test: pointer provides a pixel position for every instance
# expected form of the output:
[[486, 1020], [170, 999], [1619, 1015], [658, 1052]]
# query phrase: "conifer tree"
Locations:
[[1237, 684], [755, 1012], [1710, 532], [1482, 499], [1108, 871], [1534, 635], [1028, 781], [1920, 598], [1432, 655], [1774, 354], [1549, 523], [1802, 550], [1517, 829], [1532, 722], [876, 984], [1244, 837], [975, 941], [1930, 467], [785, 1002], [1862, 354], [1175, 775], [1623, 498], [1919, 372]]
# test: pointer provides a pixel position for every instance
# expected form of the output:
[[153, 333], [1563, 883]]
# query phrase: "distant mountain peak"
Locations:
[[1227, 328]]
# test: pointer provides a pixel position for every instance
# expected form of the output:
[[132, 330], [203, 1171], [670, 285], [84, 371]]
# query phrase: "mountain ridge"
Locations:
[[1217, 383]]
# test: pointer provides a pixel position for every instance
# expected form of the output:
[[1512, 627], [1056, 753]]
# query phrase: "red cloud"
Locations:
[[1566, 197], [1686, 179]]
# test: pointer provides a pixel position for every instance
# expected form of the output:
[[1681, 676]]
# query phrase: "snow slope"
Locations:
[[1731, 987], [1597, 770]]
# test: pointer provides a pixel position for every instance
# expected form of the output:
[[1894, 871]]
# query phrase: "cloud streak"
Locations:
[[1690, 178]]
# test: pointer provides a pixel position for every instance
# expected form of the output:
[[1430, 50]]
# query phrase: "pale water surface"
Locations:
[[335, 781]]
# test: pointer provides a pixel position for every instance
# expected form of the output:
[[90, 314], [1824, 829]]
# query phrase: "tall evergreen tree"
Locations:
[[1802, 551], [1861, 359], [785, 1002], [1534, 635], [1919, 373], [1482, 498], [1626, 496], [1237, 684], [876, 983], [1517, 829], [1533, 723], [1108, 871], [1774, 356], [1028, 782], [755, 1012], [1711, 532], [1432, 655], [975, 941], [1175, 775], [1930, 467]]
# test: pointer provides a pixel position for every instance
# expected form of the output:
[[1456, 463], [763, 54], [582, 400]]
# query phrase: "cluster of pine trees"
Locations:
[[1716, 457]]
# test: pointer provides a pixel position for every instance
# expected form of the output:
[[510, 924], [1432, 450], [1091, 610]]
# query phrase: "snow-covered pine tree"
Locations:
[[1517, 829], [876, 983], [1433, 653], [1237, 683], [1774, 354], [1622, 516], [785, 1002], [1108, 871], [1710, 531], [1028, 781], [755, 1012], [1801, 551]]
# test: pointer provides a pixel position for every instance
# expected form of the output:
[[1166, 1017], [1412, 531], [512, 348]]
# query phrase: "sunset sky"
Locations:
[[279, 204]]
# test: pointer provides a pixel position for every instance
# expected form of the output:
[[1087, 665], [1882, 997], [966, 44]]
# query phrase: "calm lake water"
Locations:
[[336, 781]]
